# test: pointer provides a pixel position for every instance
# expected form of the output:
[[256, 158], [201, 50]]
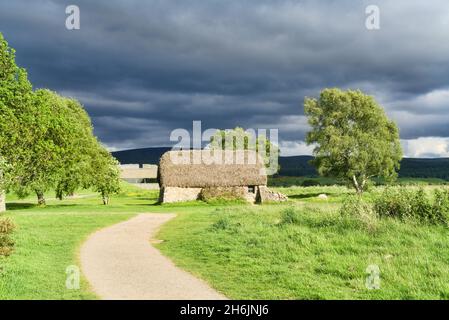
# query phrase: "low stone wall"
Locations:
[[261, 194], [175, 194], [2, 201], [266, 195]]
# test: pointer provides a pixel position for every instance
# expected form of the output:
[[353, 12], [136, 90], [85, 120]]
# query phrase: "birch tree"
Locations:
[[353, 137]]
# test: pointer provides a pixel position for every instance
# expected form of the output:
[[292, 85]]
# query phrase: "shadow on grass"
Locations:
[[138, 198], [304, 196], [140, 204], [11, 206], [66, 205]]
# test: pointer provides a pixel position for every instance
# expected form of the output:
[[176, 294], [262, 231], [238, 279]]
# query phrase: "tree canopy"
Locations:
[[353, 137], [105, 174], [15, 112], [239, 139], [46, 140]]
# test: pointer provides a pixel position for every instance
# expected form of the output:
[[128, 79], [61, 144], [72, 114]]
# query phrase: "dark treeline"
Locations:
[[299, 166], [410, 167]]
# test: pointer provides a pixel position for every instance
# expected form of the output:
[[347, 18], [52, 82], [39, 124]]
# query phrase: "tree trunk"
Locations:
[[357, 186], [363, 184], [105, 199], [2, 201], [2, 196], [59, 195], [40, 198]]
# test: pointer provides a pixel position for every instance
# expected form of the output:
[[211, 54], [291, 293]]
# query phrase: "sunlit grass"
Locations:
[[245, 251], [248, 253]]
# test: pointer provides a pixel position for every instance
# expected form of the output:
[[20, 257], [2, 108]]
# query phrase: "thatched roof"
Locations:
[[202, 168]]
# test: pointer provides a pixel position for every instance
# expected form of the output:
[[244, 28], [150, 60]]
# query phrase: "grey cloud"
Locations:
[[143, 69]]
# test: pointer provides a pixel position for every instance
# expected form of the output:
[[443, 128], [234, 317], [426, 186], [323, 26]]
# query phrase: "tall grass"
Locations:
[[308, 251]]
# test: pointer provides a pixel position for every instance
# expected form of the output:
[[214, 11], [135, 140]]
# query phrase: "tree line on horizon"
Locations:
[[47, 141]]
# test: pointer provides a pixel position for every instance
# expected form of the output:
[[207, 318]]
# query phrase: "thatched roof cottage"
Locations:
[[204, 174]]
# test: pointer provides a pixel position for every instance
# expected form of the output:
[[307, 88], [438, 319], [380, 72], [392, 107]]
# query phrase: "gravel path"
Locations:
[[120, 263]]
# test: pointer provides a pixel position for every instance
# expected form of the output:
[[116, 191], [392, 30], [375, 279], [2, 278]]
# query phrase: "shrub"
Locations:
[[415, 204], [421, 206], [440, 206], [394, 202], [214, 194], [289, 216], [6, 243], [354, 207]]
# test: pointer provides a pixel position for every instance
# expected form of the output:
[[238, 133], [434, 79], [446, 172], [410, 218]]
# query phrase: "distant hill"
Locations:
[[299, 165], [140, 156], [410, 167]]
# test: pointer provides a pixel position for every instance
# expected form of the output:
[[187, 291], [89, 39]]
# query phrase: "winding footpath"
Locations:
[[120, 264]]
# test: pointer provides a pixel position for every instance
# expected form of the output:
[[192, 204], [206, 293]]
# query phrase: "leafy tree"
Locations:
[[77, 165], [47, 141], [90, 165], [105, 174], [15, 137], [51, 131], [65, 155], [354, 138], [239, 139]]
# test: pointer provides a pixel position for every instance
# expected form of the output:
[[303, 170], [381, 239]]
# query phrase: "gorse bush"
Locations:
[[422, 207], [414, 204], [354, 207], [400, 203], [6, 243], [441, 204], [394, 202]]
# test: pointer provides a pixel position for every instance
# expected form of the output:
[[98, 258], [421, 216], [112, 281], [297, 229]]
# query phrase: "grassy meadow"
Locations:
[[48, 238], [302, 249]]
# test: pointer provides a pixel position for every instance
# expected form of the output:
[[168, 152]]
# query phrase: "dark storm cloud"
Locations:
[[144, 68]]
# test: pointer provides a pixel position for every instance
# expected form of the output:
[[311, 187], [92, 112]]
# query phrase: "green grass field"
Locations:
[[48, 239], [244, 251]]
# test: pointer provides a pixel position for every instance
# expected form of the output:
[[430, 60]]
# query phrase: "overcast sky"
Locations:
[[144, 68]]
